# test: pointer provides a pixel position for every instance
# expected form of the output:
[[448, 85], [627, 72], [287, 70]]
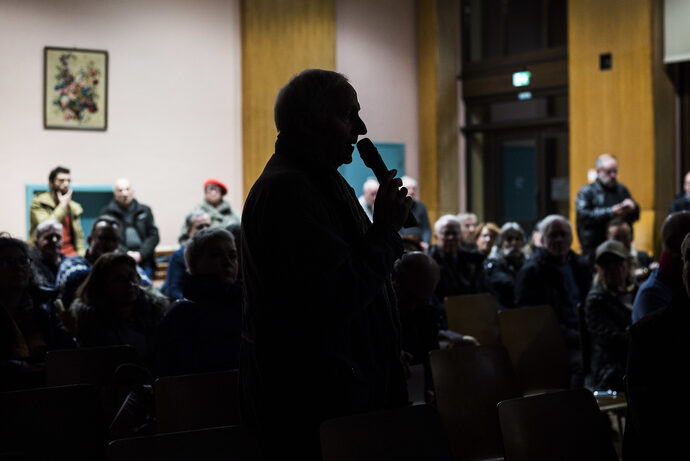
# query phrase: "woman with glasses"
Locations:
[[29, 322], [112, 308]]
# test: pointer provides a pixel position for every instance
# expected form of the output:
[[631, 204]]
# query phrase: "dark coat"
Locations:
[[500, 276], [680, 203], [423, 227], [593, 211], [657, 353], [539, 282], [200, 332], [607, 319], [321, 330], [461, 275], [140, 218]]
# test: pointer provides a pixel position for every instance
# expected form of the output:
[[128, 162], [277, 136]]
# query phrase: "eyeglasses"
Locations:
[[22, 261]]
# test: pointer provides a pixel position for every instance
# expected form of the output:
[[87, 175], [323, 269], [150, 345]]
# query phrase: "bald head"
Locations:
[[123, 192], [607, 169], [674, 230], [369, 190]]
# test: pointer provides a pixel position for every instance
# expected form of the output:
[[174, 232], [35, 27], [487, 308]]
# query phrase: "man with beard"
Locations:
[[46, 257], [556, 276], [321, 333], [504, 262], [598, 203], [57, 204]]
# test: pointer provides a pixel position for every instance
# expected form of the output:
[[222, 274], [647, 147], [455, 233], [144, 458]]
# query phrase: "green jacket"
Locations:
[[43, 207]]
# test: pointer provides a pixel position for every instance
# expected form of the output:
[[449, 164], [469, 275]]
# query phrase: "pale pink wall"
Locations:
[[174, 96], [376, 49]]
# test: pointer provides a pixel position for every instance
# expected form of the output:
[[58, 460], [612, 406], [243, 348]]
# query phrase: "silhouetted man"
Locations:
[[57, 204], [138, 231], [321, 335], [598, 203]]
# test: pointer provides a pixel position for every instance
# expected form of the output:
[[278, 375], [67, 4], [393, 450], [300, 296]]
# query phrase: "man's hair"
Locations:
[[197, 244], [600, 160], [550, 219], [369, 183], [304, 96], [106, 218], [444, 220], [44, 225], [673, 231], [615, 222], [189, 220], [463, 216], [55, 171], [510, 226]]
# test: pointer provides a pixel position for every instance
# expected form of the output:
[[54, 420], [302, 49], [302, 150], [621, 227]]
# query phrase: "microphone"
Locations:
[[372, 159]]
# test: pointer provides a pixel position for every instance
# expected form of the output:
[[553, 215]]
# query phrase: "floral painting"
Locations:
[[75, 92]]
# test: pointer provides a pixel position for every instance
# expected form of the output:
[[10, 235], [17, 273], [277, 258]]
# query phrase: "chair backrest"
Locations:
[[564, 425], [413, 432], [469, 383], [536, 347], [415, 384], [64, 422], [227, 443], [474, 315], [197, 401], [88, 365]]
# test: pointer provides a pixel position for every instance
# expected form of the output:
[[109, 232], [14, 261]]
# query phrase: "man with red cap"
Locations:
[[218, 209]]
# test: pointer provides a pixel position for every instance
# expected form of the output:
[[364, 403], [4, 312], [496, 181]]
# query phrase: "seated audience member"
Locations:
[[368, 197], [57, 204], [46, 256], [112, 308], [664, 287], [104, 238], [218, 209], [608, 313], [201, 332], [138, 231], [557, 276], [423, 229], [172, 288], [657, 351], [485, 237], [504, 262], [461, 268], [641, 264], [29, 326], [682, 200], [535, 241], [412, 243], [468, 225]]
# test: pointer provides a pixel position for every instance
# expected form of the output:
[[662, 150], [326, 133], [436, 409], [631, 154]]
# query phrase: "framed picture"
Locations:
[[75, 89]]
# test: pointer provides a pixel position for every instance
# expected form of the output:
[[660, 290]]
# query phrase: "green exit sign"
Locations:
[[522, 78]]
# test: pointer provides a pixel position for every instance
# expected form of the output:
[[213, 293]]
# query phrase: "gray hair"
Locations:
[[409, 181], [189, 220], [463, 216], [600, 160], [550, 219], [369, 184], [197, 244], [304, 96], [45, 225], [510, 226], [444, 220]]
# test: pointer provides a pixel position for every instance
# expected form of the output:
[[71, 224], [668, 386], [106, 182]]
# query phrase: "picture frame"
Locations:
[[75, 89]]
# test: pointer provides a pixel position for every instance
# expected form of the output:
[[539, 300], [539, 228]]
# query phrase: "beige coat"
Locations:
[[43, 207]]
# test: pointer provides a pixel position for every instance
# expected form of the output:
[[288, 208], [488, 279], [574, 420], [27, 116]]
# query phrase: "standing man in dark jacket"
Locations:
[[321, 332], [138, 232], [597, 203], [682, 201], [556, 276]]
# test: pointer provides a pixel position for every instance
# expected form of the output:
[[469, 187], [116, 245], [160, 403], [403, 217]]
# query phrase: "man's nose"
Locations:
[[361, 127]]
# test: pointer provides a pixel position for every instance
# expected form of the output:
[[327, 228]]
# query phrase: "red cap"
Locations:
[[215, 182]]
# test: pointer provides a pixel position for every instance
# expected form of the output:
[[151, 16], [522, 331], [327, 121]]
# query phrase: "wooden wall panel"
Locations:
[[280, 38], [438, 55], [613, 111]]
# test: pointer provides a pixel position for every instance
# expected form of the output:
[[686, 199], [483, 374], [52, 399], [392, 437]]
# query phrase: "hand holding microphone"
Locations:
[[392, 204]]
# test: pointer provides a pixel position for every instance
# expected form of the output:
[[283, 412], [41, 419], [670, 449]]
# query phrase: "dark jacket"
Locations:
[[680, 203], [97, 327], [500, 275], [200, 332], [607, 319], [539, 282], [321, 332], [593, 211], [172, 287], [423, 228], [461, 275], [140, 218], [44, 271]]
